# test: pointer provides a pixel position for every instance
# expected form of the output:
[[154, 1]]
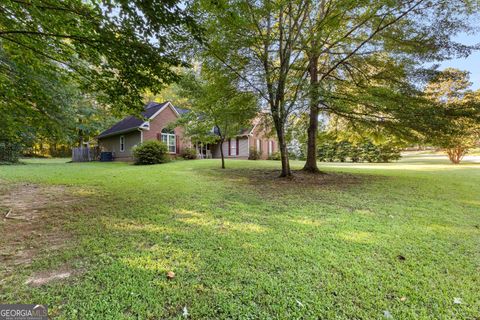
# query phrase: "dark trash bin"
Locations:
[[106, 156]]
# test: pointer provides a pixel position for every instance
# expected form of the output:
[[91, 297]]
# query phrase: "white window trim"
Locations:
[[270, 147], [259, 145], [169, 136], [122, 143]]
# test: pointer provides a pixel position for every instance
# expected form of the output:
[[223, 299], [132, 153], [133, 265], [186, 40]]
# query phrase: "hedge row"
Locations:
[[363, 152]]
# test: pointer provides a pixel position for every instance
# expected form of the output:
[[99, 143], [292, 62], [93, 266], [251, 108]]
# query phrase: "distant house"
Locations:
[[155, 125]]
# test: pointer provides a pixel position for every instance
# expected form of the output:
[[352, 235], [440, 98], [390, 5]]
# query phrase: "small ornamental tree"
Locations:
[[219, 109], [461, 132]]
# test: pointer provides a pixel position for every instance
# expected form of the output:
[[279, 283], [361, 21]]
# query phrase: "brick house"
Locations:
[[132, 131]]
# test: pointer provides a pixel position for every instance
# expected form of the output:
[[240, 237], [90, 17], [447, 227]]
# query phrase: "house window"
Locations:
[[169, 138], [270, 147], [259, 146], [233, 147], [122, 143]]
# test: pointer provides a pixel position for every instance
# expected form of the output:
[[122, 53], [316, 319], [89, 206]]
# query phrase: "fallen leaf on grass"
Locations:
[[170, 275], [387, 314], [457, 300]]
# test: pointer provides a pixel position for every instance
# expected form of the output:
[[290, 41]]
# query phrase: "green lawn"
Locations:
[[365, 241]]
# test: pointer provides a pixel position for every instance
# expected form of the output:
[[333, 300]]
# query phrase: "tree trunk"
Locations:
[[221, 152], [456, 154], [80, 134], [282, 143], [311, 164]]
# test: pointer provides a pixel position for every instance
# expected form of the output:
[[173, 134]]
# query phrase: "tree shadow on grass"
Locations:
[[269, 181]]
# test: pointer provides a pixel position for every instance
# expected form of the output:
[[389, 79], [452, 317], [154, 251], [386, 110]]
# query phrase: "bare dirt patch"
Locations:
[[34, 224], [44, 277], [27, 201]]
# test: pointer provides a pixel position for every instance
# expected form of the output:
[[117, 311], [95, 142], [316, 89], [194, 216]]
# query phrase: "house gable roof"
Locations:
[[132, 123]]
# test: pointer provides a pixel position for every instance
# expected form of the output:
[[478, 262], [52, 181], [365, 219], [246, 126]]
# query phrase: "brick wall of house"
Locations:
[[161, 121], [260, 139]]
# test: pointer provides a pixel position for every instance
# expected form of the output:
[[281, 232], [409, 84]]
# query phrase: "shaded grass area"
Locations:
[[361, 240]]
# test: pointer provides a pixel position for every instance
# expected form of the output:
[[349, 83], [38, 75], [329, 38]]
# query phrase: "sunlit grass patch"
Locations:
[[163, 260], [222, 225], [137, 226], [358, 237], [84, 191]]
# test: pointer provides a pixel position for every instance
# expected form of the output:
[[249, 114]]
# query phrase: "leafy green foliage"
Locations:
[[365, 61], [381, 153], [219, 109], [450, 93], [9, 152], [34, 97], [256, 42], [343, 151], [189, 153], [274, 156], [151, 152], [253, 154], [116, 48], [43, 105], [67, 66]]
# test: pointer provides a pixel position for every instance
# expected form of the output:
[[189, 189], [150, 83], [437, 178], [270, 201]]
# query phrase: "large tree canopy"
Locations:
[[119, 48], [363, 59], [57, 55]]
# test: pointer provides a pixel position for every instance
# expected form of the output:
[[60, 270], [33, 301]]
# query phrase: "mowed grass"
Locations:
[[364, 241]]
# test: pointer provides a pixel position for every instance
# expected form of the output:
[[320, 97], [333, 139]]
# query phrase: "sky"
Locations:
[[471, 63]]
